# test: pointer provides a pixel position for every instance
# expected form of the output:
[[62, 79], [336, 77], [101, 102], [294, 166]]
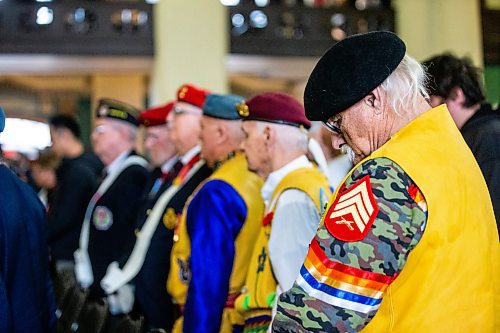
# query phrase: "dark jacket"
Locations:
[[152, 297], [76, 183], [113, 220], [27, 302], [482, 134]]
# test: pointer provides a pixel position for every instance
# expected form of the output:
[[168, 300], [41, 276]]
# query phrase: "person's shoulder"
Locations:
[[377, 169], [14, 188], [216, 186], [136, 168]]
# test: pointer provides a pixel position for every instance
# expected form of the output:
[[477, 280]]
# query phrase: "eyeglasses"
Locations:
[[332, 125], [100, 129], [103, 128]]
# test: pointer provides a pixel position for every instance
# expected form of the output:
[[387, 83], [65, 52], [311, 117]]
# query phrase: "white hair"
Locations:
[[291, 138], [129, 129], [405, 85], [236, 134], [347, 150], [288, 137]]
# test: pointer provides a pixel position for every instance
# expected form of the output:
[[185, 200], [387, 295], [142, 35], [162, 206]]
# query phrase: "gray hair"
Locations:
[[128, 129], [405, 85], [288, 137]]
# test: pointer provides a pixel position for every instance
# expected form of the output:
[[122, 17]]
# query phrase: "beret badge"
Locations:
[[243, 110], [182, 92]]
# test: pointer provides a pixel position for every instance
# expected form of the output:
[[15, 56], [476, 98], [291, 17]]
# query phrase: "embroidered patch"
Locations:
[[353, 212], [170, 218], [102, 218]]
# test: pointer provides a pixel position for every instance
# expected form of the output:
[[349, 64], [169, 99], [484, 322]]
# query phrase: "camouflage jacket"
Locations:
[[342, 282]]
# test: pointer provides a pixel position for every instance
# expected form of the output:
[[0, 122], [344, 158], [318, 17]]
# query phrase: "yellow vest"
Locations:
[[258, 295], [248, 185], [447, 284]]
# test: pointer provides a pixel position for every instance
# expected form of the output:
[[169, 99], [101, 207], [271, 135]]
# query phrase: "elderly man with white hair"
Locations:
[[295, 192], [107, 233], [408, 242]]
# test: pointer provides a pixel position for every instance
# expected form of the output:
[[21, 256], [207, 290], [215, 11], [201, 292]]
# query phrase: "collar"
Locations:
[[218, 163], [190, 154], [276, 176], [118, 161], [167, 166]]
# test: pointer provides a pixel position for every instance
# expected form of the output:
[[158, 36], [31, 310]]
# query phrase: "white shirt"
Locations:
[[169, 164], [190, 154], [338, 167], [117, 162], [294, 225]]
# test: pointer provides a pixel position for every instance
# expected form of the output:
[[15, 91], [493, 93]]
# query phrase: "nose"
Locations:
[[337, 141]]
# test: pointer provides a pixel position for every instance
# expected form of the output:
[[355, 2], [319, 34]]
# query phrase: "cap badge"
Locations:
[[182, 92], [103, 111], [243, 110]]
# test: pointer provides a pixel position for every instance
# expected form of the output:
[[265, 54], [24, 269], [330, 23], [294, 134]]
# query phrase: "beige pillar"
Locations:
[[430, 27], [129, 88], [191, 42]]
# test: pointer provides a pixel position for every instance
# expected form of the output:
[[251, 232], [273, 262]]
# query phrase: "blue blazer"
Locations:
[[27, 302]]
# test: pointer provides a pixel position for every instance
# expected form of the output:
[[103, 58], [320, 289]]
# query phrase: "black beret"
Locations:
[[110, 108], [349, 71]]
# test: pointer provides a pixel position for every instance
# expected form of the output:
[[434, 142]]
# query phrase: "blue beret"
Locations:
[[222, 106], [349, 71], [110, 108], [2, 119]]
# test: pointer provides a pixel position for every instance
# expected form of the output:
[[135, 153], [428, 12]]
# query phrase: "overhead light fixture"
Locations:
[[238, 20], [43, 0], [258, 19], [81, 21], [230, 2], [261, 3], [44, 16]]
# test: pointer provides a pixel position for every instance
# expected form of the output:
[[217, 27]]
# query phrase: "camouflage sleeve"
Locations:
[[376, 219]]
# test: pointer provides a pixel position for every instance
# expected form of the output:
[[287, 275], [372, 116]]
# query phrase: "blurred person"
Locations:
[[107, 233], [222, 220], [395, 242], [43, 170], [184, 123], [294, 192], [147, 266], [338, 163], [27, 303], [77, 181], [456, 82]]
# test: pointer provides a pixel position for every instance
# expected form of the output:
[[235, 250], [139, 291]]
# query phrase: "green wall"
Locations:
[[492, 82]]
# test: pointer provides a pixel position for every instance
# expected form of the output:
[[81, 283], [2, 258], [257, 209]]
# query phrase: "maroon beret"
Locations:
[[155, 116], [274, 107], [188, 93]]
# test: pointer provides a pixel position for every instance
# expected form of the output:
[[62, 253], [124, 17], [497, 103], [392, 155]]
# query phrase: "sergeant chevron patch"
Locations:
[[353, 212]]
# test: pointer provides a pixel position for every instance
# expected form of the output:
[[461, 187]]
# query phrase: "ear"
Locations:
[[221, 133], [269, 135], [457, 96], [374, 100]]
